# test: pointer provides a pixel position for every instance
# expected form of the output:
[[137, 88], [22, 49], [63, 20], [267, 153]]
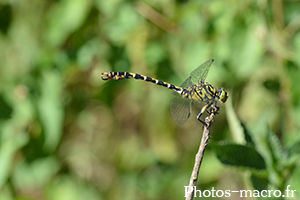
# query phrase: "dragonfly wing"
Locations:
[[201, 72], [181, 109], [198, 75], [187, 83], [199, 104]]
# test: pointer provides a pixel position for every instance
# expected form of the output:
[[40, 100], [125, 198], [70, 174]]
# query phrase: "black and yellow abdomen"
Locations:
[[128, 75]]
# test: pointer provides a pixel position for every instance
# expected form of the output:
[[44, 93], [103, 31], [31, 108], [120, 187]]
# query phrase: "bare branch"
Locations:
[[200, 154]]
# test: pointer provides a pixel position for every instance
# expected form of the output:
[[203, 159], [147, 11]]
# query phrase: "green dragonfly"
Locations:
[[193, 89]]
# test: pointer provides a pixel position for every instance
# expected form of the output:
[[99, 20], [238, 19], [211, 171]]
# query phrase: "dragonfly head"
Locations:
[[222, 95]]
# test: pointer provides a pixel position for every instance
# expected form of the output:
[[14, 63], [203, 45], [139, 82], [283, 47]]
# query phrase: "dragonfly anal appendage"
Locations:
[[105, 76]]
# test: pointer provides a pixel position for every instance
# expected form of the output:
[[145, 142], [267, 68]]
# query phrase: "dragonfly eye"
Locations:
[[223, 95]]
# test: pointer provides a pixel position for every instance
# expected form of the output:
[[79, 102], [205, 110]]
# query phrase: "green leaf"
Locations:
[[275, 147], [5, 107], [259, 183], [51, 109], [119, 29], [35, 174], [64, 18], [239, 156], [8, 148], [239, 131], [294, 149], [235, 124], [5, 17], [247, 134], [70, 188], [293, 152]]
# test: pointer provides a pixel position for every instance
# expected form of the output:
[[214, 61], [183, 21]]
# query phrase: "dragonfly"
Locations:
[[193, 90]]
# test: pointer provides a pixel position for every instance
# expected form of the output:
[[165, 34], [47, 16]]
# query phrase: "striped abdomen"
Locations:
[[126, 75]]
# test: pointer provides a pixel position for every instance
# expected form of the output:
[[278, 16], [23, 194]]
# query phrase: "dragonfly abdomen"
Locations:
[[126, 75]]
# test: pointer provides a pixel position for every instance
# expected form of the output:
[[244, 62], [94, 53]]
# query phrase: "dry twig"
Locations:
[[200, 154]]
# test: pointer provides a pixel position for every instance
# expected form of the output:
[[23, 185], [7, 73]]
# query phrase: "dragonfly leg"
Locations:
[[201, 112], [209, 108], [213, 108]]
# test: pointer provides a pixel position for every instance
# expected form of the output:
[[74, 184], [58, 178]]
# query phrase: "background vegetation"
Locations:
[[66, 134]]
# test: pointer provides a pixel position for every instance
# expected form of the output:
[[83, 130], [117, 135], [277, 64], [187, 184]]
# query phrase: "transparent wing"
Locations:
[[201, 72], [198, 75], [199, 104], [181, 109], [187, 83]]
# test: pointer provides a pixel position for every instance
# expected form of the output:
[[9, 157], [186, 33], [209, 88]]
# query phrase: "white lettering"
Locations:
[[195, 192], [262, 193], [227, 193], [287, 191], [269, 193], [209, 193], [221, 192], [256, 193], [188, 189], [243, 193], [213, 192], [274, 193], [293, 192], [246, 192]]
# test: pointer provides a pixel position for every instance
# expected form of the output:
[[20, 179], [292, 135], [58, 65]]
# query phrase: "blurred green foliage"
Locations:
[[66, 134]]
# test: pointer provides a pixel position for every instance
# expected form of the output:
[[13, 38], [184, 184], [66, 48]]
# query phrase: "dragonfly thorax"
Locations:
[[203, 92]]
